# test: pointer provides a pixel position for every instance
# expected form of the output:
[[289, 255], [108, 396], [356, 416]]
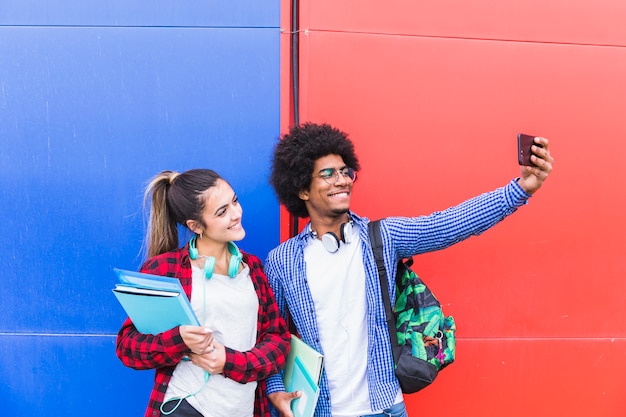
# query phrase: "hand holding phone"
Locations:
[[524, 149]]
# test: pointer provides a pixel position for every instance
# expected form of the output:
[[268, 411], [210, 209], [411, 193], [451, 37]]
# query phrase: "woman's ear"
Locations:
[[194, 226]]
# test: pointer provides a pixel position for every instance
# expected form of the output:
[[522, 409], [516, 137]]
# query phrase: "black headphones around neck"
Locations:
[[209, 263], [331, 241]]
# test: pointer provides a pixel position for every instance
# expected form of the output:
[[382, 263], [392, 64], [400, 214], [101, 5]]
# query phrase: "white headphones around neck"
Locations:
[[331, 241]]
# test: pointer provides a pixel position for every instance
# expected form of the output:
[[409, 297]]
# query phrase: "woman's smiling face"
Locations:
[[222, 214]]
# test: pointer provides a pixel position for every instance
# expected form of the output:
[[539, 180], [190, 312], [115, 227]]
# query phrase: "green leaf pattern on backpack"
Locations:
[[419, 326]]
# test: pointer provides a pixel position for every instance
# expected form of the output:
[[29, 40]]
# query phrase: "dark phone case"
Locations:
[[524, 142]]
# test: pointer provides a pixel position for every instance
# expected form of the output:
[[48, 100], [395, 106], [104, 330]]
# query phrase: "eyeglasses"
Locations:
[[331, 175]]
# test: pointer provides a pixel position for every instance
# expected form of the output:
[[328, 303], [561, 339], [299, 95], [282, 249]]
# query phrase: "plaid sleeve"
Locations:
[[268, 356], [441, 229], [145, 351], [275, 382]]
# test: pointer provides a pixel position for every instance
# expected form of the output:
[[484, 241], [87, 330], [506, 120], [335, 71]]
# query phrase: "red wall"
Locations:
[[433, 95]]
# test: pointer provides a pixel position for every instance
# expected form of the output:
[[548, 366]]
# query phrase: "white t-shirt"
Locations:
[[230, 309], [337, 283]]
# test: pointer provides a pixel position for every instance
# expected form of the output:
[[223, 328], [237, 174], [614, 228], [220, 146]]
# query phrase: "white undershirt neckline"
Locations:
[[338, 288], [231, 311]]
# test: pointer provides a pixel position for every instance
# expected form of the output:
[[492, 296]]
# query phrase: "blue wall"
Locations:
[[95, 98]]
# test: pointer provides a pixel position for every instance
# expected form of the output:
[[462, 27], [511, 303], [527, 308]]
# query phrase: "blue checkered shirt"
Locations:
[[403, 237]]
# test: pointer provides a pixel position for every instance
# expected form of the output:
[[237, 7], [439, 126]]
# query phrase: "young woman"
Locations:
[[219, 367]]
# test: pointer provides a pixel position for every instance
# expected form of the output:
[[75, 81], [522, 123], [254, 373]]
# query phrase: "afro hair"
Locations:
[[294, 158]]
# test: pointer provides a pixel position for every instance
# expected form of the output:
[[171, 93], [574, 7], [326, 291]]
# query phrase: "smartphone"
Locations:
[[524, 143]]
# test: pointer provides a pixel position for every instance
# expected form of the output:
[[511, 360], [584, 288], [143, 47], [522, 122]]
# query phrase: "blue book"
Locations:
[[154, 303], [303, 371]]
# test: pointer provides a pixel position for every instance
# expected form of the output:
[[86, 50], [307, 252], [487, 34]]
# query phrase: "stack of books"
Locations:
[[303, 371], [154, 303]]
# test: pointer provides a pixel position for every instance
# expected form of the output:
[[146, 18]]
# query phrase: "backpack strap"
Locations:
[[376, 241]]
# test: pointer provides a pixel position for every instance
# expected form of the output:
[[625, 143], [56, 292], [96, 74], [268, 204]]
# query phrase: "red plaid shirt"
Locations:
[[163, 351]]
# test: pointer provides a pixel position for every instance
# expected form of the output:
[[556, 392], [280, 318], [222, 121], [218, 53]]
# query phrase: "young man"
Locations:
[[327, 278]]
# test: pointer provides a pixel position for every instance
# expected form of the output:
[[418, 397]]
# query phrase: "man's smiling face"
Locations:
[[325, 200]]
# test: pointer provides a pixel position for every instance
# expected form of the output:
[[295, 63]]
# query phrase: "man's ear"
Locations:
[[303, 195]]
